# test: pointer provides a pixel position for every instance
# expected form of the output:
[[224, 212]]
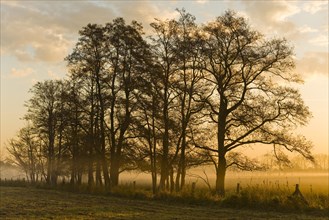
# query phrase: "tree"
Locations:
[[147, 124], [163, 49], [253, 100], [43, 111], [25, 152], [188, 85], [128, 59], [87, 64]]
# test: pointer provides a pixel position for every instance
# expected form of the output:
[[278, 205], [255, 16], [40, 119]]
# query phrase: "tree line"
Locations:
[[188, 95]]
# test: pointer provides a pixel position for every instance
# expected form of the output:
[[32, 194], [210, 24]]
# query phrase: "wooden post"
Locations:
[[298, 194], [297, 191]]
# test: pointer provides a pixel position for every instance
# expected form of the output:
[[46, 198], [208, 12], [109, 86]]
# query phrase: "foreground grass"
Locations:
[[33, 203]]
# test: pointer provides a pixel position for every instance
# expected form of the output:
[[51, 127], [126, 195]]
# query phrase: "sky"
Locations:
[[36, 36]]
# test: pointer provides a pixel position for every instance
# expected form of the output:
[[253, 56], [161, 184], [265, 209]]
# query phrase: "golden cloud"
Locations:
[[272, 14], [45, 31]]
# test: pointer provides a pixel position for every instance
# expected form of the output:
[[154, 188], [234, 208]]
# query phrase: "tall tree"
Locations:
[[252, 99], [43, 112], [88, 61], [128, 59], [188, 85], [163, 48], [148, 121]]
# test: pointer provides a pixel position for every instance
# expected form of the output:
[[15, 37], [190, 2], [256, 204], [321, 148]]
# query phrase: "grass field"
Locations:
[[32, 203]]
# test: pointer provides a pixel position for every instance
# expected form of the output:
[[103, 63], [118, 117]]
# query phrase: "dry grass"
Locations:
[[32, 203]]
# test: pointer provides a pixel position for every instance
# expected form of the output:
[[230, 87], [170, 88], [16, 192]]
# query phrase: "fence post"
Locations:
[[298, 194]]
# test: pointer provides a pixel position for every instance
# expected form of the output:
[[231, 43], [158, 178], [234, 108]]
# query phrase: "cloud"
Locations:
[[272, 15], [142, 11], [313, 63], [315, 6], [21, 73], [28, 35], [46, 30]]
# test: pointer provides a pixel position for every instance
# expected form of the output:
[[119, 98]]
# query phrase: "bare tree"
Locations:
[[24, 151], [43, 112], [88, 61], [188, 85], [128, 55], [163, 48], [252, 99]]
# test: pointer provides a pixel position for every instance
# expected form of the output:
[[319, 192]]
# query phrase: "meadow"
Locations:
[[260, 195], [36, 203]]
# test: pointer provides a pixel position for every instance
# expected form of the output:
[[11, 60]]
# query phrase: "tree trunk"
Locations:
[[220, 175], [114, 171], [73, 170], [154, 182], [183, 175], [164, 163], [98, 173], [105, 171], [153, 150], [171, 177], [48, 169], [72, 179], [182, 159], [91, 142], [178, 177], [165, 150], [90, 167], [221, 126]]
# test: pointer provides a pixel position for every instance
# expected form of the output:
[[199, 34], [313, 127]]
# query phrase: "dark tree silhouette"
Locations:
[[128, 56], [43, 112], [252, 100], [188, 86], [88, 61], [25, 150], [163, 48]]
